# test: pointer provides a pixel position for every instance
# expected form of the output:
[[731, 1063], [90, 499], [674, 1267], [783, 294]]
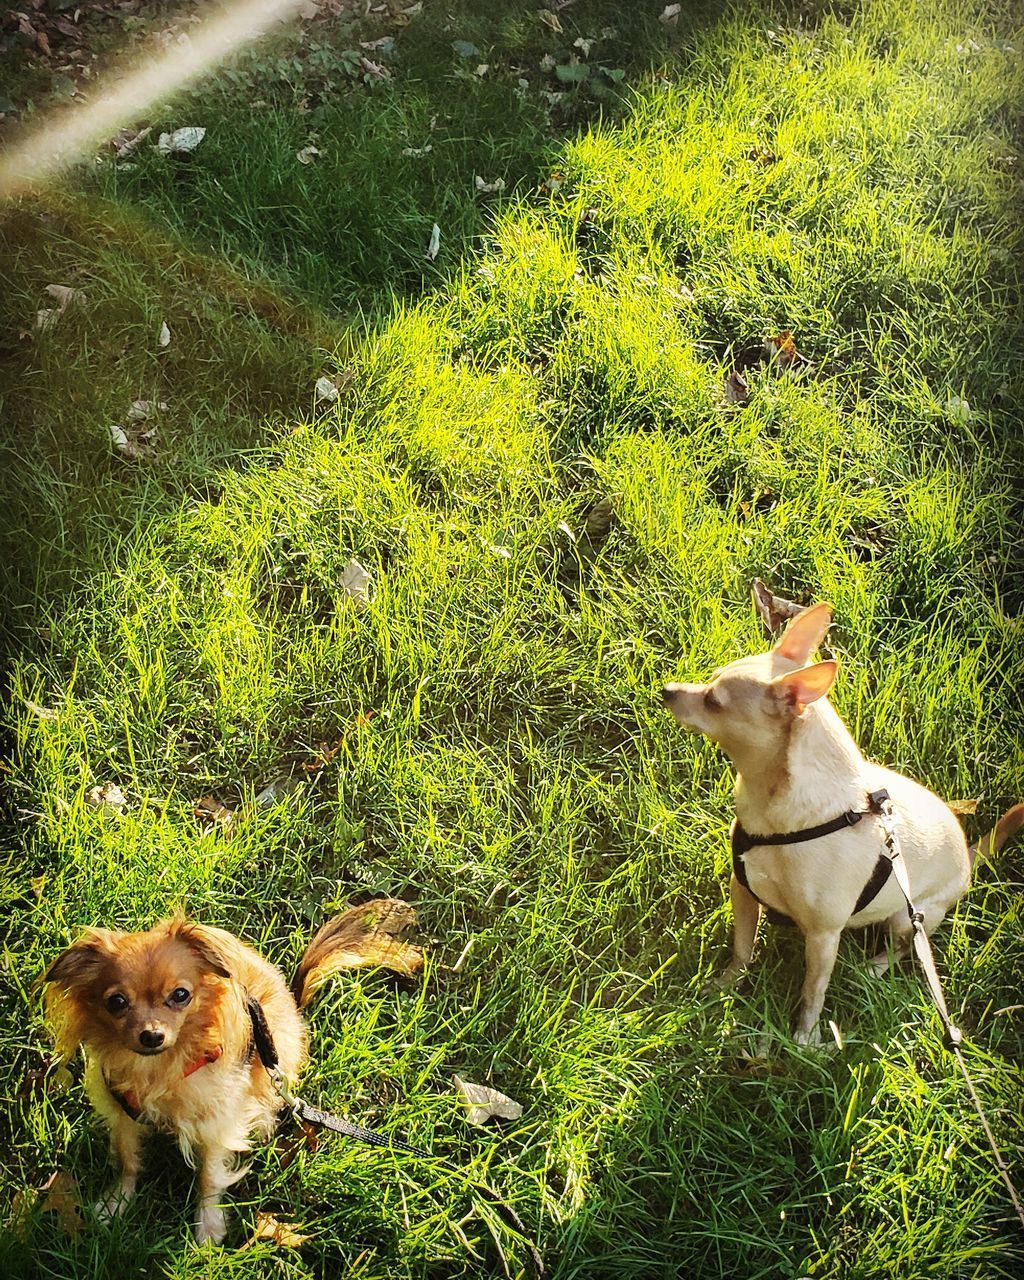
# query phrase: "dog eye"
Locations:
[[180, 995], [117, 1003]]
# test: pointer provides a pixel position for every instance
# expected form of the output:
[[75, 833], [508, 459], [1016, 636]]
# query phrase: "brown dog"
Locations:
[[164, 1017], [798, 768]]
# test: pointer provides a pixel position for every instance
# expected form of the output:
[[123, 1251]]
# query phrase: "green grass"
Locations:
[[180, 622]]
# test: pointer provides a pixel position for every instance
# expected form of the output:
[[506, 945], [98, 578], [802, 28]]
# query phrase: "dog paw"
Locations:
[[113, 1206], [724, 981], [809, 1039], [211, 1225]]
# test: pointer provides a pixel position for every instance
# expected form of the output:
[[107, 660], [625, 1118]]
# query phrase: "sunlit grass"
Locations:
[[505, 760]]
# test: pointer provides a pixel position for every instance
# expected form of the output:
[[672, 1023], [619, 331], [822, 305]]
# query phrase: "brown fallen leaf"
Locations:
[[775, 611], [50, 1077], [549, 20], [125, 141], [782, 349], [63, 295], [598, 519], [482, 1102], [60, 1196], [964, 808], [359, 938], [288, 1148], [210, 810], [736, 390], [269, 1229]]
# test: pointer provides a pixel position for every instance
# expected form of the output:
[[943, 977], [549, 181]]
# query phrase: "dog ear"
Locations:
[[804, 633], [801, 688], [206, 944], [80, 963]]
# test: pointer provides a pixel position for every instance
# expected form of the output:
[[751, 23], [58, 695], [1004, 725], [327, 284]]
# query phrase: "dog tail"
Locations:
[[1008, 825], [359, 938]]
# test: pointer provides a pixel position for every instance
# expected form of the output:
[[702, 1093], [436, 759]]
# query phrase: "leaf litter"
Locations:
[[483, 1103]]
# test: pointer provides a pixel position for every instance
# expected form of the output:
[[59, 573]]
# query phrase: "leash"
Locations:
[[953, 1037], [305, 1113]]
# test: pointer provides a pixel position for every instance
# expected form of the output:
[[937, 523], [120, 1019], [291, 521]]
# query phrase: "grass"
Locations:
[[849, 173]]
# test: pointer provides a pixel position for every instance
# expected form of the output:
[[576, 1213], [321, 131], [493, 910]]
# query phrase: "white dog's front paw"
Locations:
[[724, 981], [211, 1225], [809, 1038]]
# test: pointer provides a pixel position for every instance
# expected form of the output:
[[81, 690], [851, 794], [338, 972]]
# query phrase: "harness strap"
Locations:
[[742, 842]]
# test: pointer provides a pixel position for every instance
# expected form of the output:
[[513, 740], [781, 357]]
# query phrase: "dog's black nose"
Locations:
[[151, 1039]]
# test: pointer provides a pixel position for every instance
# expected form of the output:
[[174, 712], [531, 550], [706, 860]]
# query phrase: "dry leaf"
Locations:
[[144, 410], [417, 151], [599, 519], [670, 14], [549, 20], [277, 789], [325, 754], [270, 1230], [181, 142], [60, 1196], [125, 141], [46, 318], [360, 938], [307, 155], [50, 1077], [489, 188], [482, 1102], [107, 796], [164, 336], [374, 69], [208, 809], [782, 349], [63, 295], [775, 611], [326, 390], [736, 390], [964, 808], [355, 582], [435, 242]]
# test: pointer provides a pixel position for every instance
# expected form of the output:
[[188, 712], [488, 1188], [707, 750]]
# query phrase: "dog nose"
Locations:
[[151, 1039]]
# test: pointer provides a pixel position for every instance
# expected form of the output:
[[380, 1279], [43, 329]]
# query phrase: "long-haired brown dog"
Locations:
[[164, 1019]]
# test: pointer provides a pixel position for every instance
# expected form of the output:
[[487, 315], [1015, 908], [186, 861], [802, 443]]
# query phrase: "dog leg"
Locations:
[[746, 911], [217, 1172], [820, 950], [126, 1143]]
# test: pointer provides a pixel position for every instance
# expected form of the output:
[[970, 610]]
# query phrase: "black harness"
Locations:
[[742, 842]]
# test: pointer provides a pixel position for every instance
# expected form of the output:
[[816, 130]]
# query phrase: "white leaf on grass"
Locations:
[[63, 295], [143, 410], [46, 318], [107, 796], [417, 151], [958, 410], [547, 63], [414, 9], [489, 188], [326, 390], [670, 15], [164, 337], [307, 155], [483, 69], [374, 69], [278, 789], [435, 242], [482, 1102], [583, 45], [181, 141], [355, 582]]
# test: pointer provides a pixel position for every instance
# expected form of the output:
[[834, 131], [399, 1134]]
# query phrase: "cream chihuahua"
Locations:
[[797, 770]]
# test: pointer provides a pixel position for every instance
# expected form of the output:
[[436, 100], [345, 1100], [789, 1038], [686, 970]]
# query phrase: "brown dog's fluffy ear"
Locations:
[[205, 942], [77, 966], [804, 633]]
